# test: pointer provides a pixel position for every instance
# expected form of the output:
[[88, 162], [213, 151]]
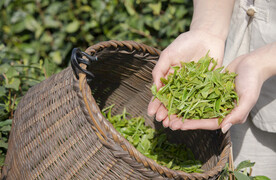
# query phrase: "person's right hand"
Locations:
[[189, 46]]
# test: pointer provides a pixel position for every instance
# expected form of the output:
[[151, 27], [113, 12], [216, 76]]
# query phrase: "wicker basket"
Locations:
[[58, 131]]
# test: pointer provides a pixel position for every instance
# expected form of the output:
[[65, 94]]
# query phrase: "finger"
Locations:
[[162, 113], [208, 124], [239, 114], [175, 124], [166, 122], [153, 106]]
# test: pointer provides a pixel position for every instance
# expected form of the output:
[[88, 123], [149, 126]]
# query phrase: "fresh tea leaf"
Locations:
[[195, 92], [152, 143]]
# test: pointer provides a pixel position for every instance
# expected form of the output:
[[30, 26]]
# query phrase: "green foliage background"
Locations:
[[37, 36]]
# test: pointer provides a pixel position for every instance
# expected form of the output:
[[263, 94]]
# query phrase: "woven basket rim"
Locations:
[[104, 127]]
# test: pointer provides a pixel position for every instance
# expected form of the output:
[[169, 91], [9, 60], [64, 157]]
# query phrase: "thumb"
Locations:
[[238, 115], [161, 69]]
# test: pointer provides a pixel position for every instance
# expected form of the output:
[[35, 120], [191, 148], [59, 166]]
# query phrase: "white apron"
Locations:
[[253, 25]]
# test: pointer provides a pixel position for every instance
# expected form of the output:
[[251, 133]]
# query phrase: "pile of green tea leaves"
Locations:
[[198, 91], [152, 143]]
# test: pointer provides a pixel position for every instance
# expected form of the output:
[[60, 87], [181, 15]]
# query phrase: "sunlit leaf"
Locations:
[[50, 22], [244, 164], [31, 23], [6, 128], [2, 91], [4, 68], [3, 144], [129, 7], [6, 122], [56, 57], [73, 26], [14, 83], [156, 8]]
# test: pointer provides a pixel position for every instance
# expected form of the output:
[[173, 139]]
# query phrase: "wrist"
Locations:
[[213, 16], [216, 33], [264, 61], [207, 36], [267, 60]]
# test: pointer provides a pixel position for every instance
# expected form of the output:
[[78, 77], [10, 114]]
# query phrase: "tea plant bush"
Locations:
[[37, 36]]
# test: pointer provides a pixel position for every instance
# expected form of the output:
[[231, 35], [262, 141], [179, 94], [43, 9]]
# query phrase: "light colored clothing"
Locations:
[[248, 33], [251, 143]]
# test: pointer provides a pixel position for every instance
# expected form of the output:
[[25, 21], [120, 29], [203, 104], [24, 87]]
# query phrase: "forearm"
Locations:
[[212, 16]]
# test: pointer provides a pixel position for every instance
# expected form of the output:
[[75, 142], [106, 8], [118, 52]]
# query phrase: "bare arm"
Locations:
[[212, 16]]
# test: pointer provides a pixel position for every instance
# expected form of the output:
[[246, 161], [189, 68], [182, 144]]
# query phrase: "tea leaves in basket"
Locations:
[[198, 91], [152, 143]]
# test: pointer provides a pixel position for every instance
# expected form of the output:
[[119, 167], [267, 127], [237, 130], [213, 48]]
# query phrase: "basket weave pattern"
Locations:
[[59, 132]]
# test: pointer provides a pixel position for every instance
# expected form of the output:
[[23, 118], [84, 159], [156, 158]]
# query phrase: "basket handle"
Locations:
[[77, 59], [77, 64]]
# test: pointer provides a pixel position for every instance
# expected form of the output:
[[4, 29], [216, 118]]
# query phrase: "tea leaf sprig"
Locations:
[[198, 91], [152, 143]]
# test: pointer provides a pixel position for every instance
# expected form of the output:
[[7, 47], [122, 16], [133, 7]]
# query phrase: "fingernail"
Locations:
[[225, 128]]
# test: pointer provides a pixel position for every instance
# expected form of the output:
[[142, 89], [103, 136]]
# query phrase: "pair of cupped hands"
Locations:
[[193, 45]]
